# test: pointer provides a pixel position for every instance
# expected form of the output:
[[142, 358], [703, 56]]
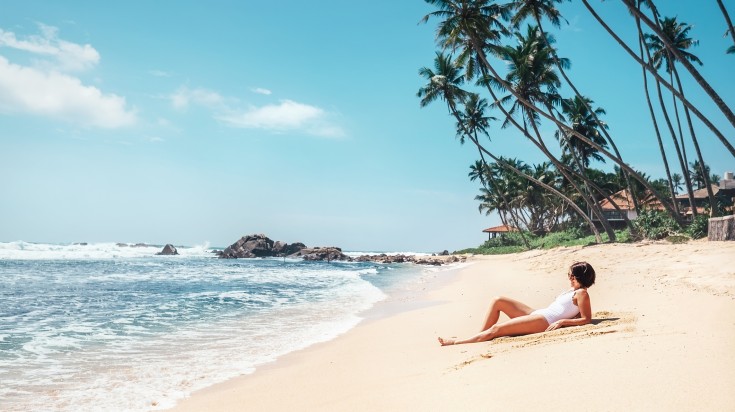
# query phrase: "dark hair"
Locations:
[[584, 273]]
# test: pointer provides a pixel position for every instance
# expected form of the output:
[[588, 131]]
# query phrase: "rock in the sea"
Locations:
[[259, 245], [169, 249], [321, 253]]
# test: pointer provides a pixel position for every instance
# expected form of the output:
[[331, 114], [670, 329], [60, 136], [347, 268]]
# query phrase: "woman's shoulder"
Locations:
[[581, 292]]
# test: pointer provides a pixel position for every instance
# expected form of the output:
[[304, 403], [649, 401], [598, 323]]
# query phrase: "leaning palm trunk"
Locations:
[[591, 204], [727, 19], [561, 196], [507, 204], [672, 191], [682, 164], [538, 142], [690, 68], [708, 185], [505, 165], [480, 53], [589, 109], [586, 194], [590, 184], [663, 82]]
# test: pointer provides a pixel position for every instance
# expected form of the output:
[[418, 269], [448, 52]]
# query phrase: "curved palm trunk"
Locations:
[[563, 197], [591, 111], [690, 68], [727, 19], [710, 193], [503, 197], [587, 194], [591, 204], [590, 184], [678, 122], [682, 164], [672, 191], [478, 49], [666, 84], [507, 166]]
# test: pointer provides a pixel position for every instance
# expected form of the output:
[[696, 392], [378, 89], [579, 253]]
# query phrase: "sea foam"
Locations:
[[108, 327]]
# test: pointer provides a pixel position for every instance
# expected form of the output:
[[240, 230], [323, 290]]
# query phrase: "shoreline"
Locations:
[[406, 296], [646, 349]]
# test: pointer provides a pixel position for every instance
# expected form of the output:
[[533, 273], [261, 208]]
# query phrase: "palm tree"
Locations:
[[663, 82], [678, 56], [672, 191], [657, 54], [537, 9], [699, 173], [444, 84], [678, 35], [585, 122], [676, 181], [531, 77], [472, 120], [461, 21]]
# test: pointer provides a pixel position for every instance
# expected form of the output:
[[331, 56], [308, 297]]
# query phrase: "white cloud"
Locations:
[[68, 56], [203, 97], [283, 117], [57, 95], [261, 90]]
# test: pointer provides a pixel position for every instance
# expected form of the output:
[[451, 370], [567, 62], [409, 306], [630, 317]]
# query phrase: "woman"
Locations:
[[571, 308]]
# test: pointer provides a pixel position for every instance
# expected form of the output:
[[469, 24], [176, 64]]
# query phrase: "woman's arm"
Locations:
[[585, 312]]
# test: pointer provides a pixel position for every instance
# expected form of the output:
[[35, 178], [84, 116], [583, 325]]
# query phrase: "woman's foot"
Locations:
[[446, 342]]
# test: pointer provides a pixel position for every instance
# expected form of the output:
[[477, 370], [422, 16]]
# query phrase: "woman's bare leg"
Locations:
[[510, 307], [520, 325]]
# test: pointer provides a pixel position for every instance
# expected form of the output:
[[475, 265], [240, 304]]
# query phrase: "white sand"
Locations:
[[663, 339]]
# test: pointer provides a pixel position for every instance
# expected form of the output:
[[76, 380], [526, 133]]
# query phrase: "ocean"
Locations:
[[108, 327]]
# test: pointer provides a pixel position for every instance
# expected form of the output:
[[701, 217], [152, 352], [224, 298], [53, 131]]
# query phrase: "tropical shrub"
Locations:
[[698, 228], [655, 225]]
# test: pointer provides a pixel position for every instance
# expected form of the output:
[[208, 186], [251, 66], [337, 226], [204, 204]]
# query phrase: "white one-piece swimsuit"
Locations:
[[561, 308]]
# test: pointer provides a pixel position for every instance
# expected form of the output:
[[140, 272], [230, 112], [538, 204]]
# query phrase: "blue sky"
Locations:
[[185, 123]]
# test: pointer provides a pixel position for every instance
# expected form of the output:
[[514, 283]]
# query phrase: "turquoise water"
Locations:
[[105, 327]]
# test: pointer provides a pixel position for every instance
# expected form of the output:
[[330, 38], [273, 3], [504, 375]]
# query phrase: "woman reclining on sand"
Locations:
[[571, 308]]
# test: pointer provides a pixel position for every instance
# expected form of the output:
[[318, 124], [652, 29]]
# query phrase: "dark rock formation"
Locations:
[[259, 245], [419, 260], [321, 253], [169, 249], [254, 246]]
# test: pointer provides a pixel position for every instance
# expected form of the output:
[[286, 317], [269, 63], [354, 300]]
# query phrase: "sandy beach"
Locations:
[[662, 339]]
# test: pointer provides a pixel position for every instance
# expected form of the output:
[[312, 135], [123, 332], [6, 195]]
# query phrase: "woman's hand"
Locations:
[[555, 325]]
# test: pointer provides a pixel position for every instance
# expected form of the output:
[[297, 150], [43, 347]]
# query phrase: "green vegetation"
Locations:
[[651, 225], [503, 51], [512, 243]]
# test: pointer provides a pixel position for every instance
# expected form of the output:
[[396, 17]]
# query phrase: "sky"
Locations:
[[193, 123]]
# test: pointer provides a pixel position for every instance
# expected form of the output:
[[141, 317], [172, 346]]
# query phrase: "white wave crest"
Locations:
[[47, 251]]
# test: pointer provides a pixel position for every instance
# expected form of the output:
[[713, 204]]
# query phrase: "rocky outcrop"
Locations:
[[419, 260], [321, 253], [259, 246], [169, 249]]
